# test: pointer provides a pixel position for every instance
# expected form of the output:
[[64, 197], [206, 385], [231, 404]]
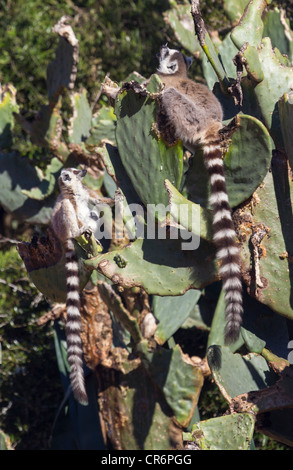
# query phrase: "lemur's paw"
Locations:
[[87, 233], [118, 196]]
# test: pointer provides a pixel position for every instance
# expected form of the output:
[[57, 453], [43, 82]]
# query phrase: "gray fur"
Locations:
[[70, 218], [196, 116]]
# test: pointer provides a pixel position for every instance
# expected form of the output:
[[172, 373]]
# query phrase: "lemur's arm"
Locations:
[[98, 200], [95, 201]]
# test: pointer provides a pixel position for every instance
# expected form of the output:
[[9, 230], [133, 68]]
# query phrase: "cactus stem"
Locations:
[[208, 46]]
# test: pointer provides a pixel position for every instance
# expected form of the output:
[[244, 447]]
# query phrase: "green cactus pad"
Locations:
[[277, 27], [231, 432], [267, 92], [252, 342], [17, 175], [180, 383], [145, 157], [214, 58], [134, 409], [235, 374], [51, 281], [171, 312], [103, 128], [180, 21], [234, 9], [250, 28], [191, 216], [81, 120], [44, 260], [159, 266], [285, 106], [268, 240], [270, 394], [227, 50], [247, 160], [261, 327], [255, 72], [47, 182], [246, 164]]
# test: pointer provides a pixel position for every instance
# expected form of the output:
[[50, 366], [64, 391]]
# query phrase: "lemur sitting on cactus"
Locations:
[[196, 115], [71, 218]]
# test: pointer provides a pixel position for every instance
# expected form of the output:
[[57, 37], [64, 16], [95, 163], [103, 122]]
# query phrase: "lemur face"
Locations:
[[70, 176], [170, 60]]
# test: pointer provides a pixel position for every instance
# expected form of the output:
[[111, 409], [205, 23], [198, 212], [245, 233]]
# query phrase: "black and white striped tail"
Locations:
[[73, 326], [225, 239]]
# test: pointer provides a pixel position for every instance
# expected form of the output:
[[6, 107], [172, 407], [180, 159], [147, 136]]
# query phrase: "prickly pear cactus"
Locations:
[[147, 289]]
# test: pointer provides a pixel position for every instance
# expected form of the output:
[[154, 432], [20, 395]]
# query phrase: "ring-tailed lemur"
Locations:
[[71, 217], [196, 116]]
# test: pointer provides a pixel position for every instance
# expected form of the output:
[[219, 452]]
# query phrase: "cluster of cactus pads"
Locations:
[[143, 290]]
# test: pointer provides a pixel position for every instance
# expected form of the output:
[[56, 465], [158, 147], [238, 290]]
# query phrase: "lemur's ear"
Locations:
[[164, 50], [188, 61]]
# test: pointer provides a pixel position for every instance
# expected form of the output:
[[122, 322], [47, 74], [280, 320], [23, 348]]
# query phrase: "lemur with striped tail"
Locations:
[[71, 217], [195, 115]]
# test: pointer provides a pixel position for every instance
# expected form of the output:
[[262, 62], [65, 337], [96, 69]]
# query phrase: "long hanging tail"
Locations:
[[224, 238], [73, 326]]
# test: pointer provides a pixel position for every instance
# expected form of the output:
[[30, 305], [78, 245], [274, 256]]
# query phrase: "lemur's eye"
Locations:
[[172, 67], [66, 177]]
